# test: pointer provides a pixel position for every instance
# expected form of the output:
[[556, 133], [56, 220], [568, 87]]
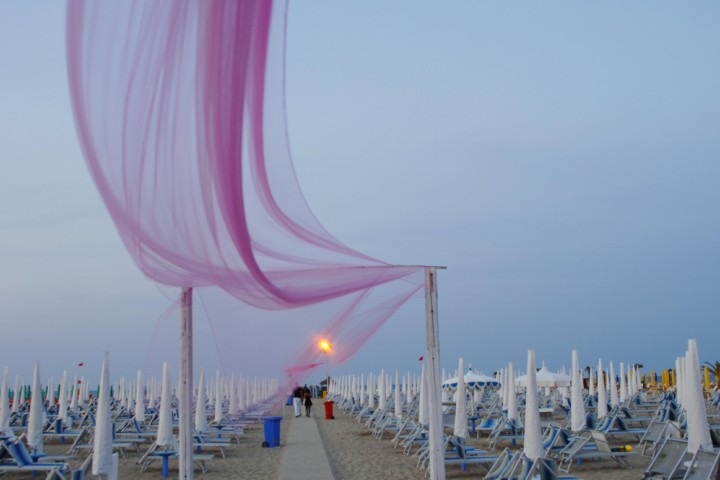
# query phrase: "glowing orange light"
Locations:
[[324, 345]]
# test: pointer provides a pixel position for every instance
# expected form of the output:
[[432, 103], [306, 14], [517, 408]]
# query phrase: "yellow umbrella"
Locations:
[[707, 378]]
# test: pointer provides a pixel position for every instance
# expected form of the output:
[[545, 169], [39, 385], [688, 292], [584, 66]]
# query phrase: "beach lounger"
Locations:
[[505, 463], [547, 469], [704, 466], [18, 459], [668, 461]]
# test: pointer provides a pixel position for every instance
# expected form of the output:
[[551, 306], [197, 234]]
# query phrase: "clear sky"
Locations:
[[561, 158]]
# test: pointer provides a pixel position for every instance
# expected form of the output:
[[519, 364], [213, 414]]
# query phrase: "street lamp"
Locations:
[[325, 347]]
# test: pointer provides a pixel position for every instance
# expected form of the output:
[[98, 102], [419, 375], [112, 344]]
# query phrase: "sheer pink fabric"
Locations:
[[180, 111]]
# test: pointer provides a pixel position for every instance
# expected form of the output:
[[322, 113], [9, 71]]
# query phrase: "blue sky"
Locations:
[[561, 158]]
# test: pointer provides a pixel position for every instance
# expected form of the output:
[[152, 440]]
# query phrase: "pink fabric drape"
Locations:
[[180, 111]]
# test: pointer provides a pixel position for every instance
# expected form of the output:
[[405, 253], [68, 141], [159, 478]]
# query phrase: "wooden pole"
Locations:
[[432, 356], [186, 385]]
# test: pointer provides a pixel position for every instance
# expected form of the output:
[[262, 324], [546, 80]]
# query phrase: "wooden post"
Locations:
[[432, 356], [186, 385]]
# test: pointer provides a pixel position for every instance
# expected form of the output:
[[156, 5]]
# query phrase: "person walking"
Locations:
[[297, 400], [307, 400]]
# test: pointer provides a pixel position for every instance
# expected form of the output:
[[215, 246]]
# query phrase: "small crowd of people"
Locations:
[[302, 396]]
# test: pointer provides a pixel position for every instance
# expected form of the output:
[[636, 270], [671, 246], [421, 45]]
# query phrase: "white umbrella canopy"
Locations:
[[74, 391], [460, 429], [577, 406], [371, 391], [698, 430], [473, 381], [102, 443], [35, 421], [62, 400], [602, 409], [165, 436], [201, 423], [362, 389], [532, 444], [591, 383], [512, 410], [140, 399], [545, 379]]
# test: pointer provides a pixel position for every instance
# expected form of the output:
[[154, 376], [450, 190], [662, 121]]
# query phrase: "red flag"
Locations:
[[81, 364], [421, 359]]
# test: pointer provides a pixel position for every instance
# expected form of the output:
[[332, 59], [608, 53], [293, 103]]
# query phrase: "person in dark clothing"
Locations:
[[307, 400]]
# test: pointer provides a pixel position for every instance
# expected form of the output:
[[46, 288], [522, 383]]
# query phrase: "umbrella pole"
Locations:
[[186, 385], [432, 354]]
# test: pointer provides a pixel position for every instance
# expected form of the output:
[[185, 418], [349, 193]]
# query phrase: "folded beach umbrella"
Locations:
[[614, 401], [201, 423], [623, 384], [218, 398], [362, 389], [423, 407], [382, 400], [102, 443], [532, 443], [398, 396], [577, 405], [35, 421], [602, 409], [698, 430], [371, 391], [16, 395], [165, 436], [5, 408], [460, 429], [233, 397], [242, 386], [74, 396], [591, 383], [63, 401], [140, 399], [512, 410]]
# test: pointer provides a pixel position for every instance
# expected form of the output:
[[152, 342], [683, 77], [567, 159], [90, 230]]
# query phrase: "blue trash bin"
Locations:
[[290, 399], [271, 427]]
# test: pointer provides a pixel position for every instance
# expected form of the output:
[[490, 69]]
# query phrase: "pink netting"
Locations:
[[180, 111]]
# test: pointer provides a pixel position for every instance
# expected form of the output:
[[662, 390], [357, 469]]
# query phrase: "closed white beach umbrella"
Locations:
[[423, 407], [102, 443], [460, 429], [382, 400], [75, 393], [623, 384], [242, 386], [16, 395], [233, 397], [698, 430], [218, 398], [165, 427], [62, 401], [140, 399], [577, 406], [398, 396], [614, 400], [35, 422], [591, 383], [371, 391], [201, 423], [50, 397], [5, 407], [532, 444], [512, 409], [362, 389], [602, 409]]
